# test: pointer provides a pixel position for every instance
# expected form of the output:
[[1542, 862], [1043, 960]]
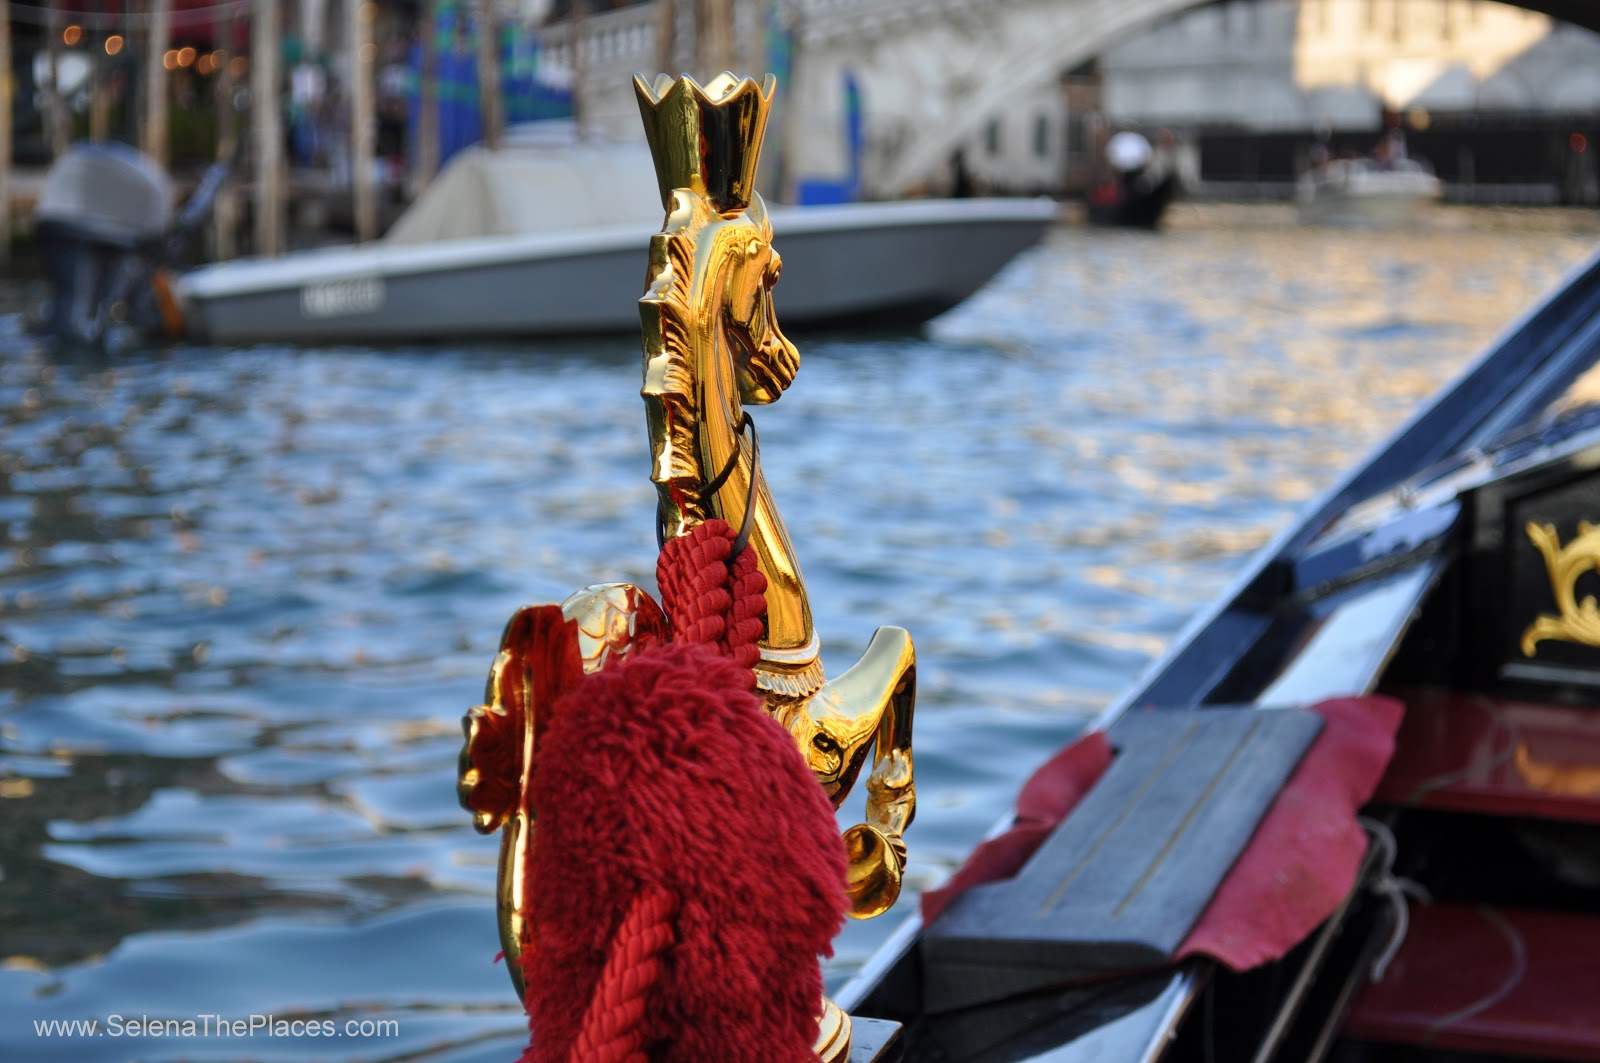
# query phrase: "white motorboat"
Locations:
[[546, 239], [1365, 192]]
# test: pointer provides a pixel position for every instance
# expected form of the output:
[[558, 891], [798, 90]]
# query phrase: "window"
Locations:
[[991, 137], [1041, 137], [1078, 134]]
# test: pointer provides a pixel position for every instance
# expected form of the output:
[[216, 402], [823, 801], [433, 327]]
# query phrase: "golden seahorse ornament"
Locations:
[[712, 346], [1578, 621]]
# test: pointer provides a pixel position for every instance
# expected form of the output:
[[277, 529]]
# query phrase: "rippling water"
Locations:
[[245, 595]]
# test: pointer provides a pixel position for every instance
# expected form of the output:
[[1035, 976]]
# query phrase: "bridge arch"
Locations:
[[928, 75]]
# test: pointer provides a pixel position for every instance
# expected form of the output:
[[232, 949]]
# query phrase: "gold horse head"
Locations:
[[765, 362]]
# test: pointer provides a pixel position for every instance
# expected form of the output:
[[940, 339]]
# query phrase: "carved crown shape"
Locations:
[[706, 138]]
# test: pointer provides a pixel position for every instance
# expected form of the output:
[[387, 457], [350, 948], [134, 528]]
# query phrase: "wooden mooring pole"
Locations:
[[99, 93], [267, 120], [666, 35], [427, 160], [55, 108], [714, 37], [579, 21], [158, 39], [225, 212], [489, 103], [363, 134], [5, 133]]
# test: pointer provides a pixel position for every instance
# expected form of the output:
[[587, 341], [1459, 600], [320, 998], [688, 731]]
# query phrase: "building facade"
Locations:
[[1502, 102]]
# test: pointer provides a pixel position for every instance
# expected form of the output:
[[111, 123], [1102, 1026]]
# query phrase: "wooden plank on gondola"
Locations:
[[1120, 883]]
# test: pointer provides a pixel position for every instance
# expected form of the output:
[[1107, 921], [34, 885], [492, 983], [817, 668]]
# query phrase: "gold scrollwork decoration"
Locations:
[[1578, 621]]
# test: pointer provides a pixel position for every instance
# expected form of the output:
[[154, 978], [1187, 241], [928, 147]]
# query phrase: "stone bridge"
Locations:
[[928, 73]]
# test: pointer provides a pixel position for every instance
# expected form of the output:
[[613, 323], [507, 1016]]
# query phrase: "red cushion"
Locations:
[[1479, 979], [1495, 756]]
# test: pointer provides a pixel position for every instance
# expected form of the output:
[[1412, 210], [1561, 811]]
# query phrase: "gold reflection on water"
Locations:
[[16, 788], [1129, 641], [1582, 393]]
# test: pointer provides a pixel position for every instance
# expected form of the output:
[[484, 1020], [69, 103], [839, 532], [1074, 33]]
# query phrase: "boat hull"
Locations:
[[1139, 208], [1353, 196], [1383, 210], [898, 263]]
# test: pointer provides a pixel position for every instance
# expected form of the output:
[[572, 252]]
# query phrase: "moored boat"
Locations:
[[851, 264], [1402, 684], [1365, 193], [534, 239], [1139, 187]]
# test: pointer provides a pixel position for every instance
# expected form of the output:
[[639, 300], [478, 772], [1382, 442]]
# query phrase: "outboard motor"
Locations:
[[101, 222]]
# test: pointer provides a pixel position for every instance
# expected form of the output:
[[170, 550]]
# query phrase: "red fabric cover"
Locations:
[[664, 769], [1295, 871], [1046, 798], [1303, 858]]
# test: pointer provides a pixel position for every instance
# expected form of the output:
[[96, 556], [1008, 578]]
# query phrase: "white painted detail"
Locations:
[[342, 298]]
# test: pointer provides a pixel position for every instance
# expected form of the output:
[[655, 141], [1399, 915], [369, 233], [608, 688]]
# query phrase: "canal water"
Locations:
[[246, 595]]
